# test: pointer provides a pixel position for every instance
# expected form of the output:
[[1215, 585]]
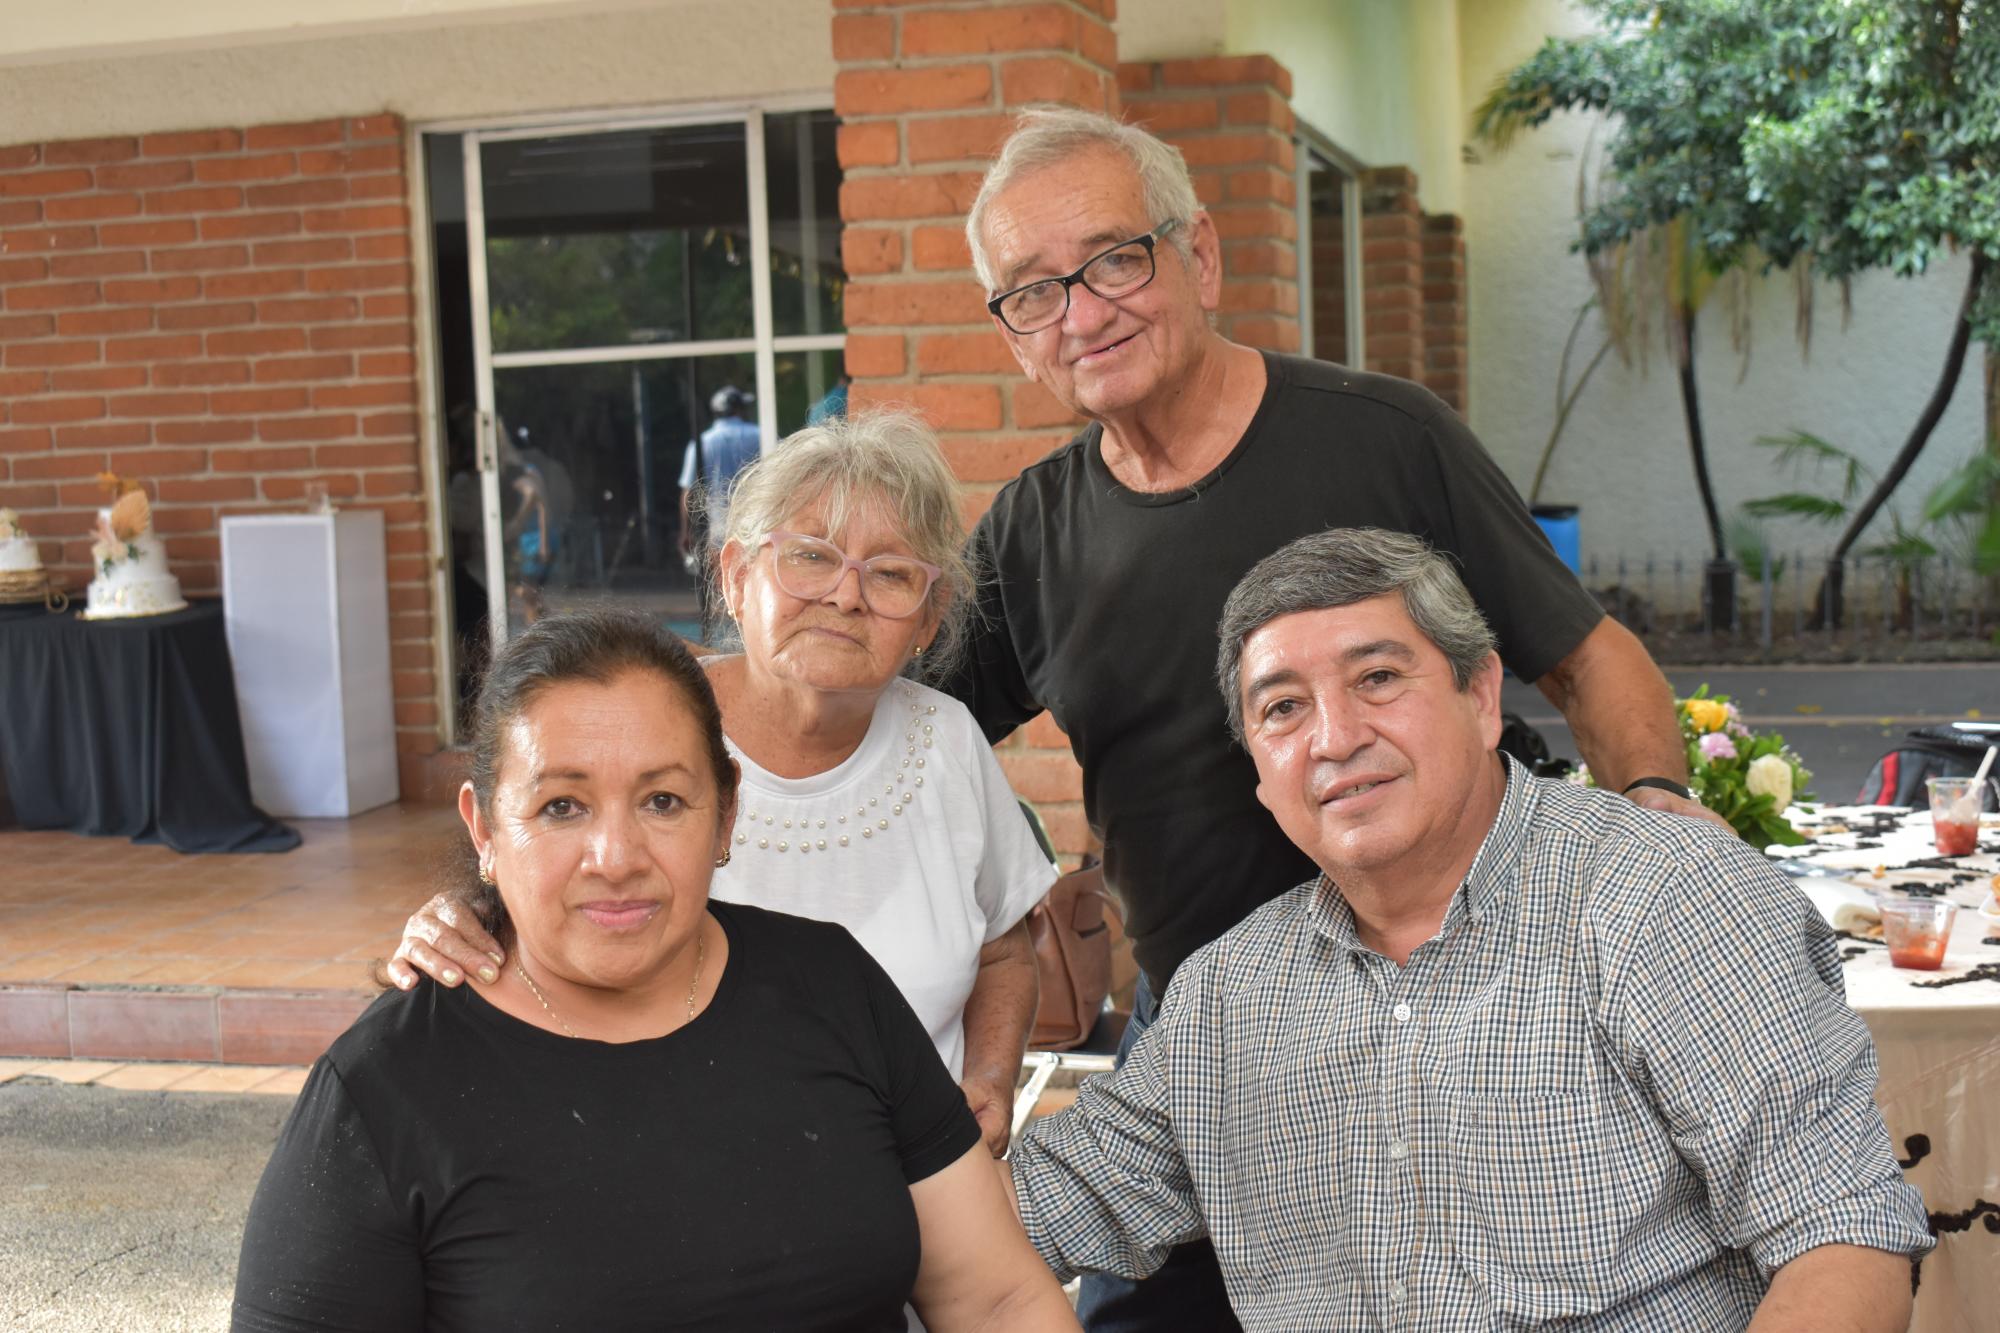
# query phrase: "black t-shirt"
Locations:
[[451, 1167], [1104, 601]]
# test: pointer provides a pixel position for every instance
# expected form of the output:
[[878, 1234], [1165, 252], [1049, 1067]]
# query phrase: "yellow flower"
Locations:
[[1707, 714]]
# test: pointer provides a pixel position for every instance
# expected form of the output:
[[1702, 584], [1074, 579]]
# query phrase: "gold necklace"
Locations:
[[700, 955]]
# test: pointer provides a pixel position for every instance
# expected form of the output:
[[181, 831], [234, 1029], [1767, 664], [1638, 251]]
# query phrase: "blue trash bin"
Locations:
[[1559, 523]]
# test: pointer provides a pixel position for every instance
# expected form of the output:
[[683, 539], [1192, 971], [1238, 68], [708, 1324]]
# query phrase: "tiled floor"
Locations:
[[273, 1079], [110, 950], [94, 911]]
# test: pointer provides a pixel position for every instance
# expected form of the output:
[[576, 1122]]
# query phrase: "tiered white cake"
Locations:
[[131, 564], [19, 556]]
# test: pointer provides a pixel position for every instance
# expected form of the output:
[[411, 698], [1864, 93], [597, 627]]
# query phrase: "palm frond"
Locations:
[[1797, 504], [1966, 491]]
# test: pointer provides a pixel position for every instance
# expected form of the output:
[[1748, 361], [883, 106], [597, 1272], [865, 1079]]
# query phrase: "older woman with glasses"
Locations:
[[868, 798]]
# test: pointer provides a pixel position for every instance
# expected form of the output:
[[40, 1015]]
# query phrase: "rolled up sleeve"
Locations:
[[1103, 1187], [1736, 1018]]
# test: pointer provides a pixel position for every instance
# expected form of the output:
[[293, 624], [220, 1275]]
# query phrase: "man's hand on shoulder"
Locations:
[[1669, 803]]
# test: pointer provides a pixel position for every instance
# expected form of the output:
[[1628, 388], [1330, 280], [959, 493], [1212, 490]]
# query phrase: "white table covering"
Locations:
[[1939, 1045]]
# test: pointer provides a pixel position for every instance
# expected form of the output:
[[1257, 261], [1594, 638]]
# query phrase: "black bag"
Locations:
[[1926, 752], [1523, 742]]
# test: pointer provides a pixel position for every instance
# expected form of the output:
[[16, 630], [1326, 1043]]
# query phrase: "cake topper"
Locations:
[[130, 515]]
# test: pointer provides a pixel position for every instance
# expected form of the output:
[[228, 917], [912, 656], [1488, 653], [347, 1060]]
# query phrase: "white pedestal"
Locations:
[[305, 598]]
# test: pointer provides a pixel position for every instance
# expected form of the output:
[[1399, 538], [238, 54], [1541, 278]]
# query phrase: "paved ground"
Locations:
[[124, 1210], [1839, 718]]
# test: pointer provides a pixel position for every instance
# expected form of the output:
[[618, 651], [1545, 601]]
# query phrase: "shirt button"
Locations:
[[1396, 1293], [1402, 1012], [1398, 1150]]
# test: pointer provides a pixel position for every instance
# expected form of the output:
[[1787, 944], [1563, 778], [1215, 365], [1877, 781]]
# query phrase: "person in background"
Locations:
[[868, 798], [709, 468], [831, 407], [672, 1112], [1110, 559], [1520, 1054]]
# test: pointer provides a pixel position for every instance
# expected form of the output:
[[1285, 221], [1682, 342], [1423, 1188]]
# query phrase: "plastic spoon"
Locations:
[[1965, 810]]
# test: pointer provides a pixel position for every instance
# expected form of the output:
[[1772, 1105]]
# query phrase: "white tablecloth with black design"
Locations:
[[1938, 1037]]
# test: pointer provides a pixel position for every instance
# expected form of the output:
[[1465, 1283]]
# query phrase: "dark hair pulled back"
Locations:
[[594, 646]]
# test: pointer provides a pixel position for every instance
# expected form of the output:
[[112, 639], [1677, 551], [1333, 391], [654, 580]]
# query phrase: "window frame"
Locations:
[[764, 344], [1308, 144]]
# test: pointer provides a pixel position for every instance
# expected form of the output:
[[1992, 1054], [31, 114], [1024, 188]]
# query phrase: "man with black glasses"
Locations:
[[1110, 559]]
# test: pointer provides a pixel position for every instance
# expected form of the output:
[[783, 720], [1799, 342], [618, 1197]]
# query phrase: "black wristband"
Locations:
[[1663, 784]]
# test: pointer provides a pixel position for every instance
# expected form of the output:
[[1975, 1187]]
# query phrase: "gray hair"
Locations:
[[1046, 135], [849, 462], [1340, 567]]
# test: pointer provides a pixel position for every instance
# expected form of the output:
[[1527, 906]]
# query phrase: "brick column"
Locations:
[[923, 93], [225, 315], [1231, 117], [1392, 272], [1329, 281], [1445, 336]]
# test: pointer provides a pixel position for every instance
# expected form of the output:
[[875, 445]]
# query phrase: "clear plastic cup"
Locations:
[[1955, 814], [1917, 931]]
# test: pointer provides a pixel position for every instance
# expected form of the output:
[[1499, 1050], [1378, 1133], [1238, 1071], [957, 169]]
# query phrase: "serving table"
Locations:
[[128, 728], [1937, 1035]]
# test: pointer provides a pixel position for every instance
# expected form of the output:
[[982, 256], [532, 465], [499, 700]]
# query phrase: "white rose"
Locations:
[[1770, 776]]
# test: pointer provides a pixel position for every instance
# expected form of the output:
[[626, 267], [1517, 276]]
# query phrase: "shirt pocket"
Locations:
[[1534, 1220]]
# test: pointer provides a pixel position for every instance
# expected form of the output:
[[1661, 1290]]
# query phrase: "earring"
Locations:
[[723, 860], [485, 875], [920, 650]]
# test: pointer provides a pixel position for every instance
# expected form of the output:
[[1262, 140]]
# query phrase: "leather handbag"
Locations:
[[1073, 953]]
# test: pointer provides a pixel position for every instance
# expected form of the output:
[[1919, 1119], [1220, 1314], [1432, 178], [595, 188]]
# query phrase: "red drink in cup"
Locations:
[[1955, 814], [1917, 930]]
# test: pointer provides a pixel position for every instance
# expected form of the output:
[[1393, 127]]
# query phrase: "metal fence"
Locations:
[[1789, 596]]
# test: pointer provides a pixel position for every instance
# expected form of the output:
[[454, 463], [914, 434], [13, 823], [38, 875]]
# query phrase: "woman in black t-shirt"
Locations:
[[670, 1114]]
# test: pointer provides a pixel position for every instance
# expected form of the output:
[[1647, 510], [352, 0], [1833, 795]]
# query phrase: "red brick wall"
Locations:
[[1392, 272], [923, 94], [1231, 117], [224, 314], [1329, 283], [1413, 286], [1445, 336]]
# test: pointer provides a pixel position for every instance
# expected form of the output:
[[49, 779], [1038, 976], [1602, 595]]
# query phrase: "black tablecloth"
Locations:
[[128, 728]]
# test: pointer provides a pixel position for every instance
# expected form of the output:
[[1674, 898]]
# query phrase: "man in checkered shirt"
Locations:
[[1524, 1053]]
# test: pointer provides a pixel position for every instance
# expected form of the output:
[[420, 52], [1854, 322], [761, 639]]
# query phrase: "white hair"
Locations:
[[877, 455], [1046, 135]]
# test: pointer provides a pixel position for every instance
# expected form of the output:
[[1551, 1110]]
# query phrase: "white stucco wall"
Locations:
[[1171, 29], [41, 34], [616, 56], [1624, 456], [1380, 79]]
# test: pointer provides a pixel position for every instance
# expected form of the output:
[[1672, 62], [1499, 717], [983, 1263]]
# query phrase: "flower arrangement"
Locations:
[[1746, 778]]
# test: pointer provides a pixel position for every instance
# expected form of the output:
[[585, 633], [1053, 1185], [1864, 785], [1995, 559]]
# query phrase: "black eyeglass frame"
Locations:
[[1148, 239]]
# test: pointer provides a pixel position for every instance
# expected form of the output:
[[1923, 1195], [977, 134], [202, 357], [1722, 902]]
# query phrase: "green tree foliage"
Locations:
[[1842, 135]]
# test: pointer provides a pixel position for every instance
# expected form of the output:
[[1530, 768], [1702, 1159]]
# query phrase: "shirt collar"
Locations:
[[1488, 885]]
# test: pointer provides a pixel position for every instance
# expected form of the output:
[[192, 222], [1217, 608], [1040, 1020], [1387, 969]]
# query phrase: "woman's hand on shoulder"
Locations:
[[446, 941], [993, 1107]]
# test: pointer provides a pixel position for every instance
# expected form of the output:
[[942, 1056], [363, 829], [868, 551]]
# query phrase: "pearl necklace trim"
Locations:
[[769, 831]]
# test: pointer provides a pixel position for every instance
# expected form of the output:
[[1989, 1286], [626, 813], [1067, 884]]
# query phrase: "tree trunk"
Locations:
[[1691, 408], [1920, 434]]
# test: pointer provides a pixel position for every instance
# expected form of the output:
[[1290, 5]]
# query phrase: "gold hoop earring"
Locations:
[[486, 877], [723, 860]]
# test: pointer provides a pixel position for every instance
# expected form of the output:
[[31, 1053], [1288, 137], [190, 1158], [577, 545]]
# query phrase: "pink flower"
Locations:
[[1715, 745]]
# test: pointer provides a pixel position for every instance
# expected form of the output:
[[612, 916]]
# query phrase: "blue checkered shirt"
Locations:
[[1619, 1088]]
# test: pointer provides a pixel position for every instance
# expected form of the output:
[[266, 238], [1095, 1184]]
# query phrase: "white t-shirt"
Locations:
[[914, 843]]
